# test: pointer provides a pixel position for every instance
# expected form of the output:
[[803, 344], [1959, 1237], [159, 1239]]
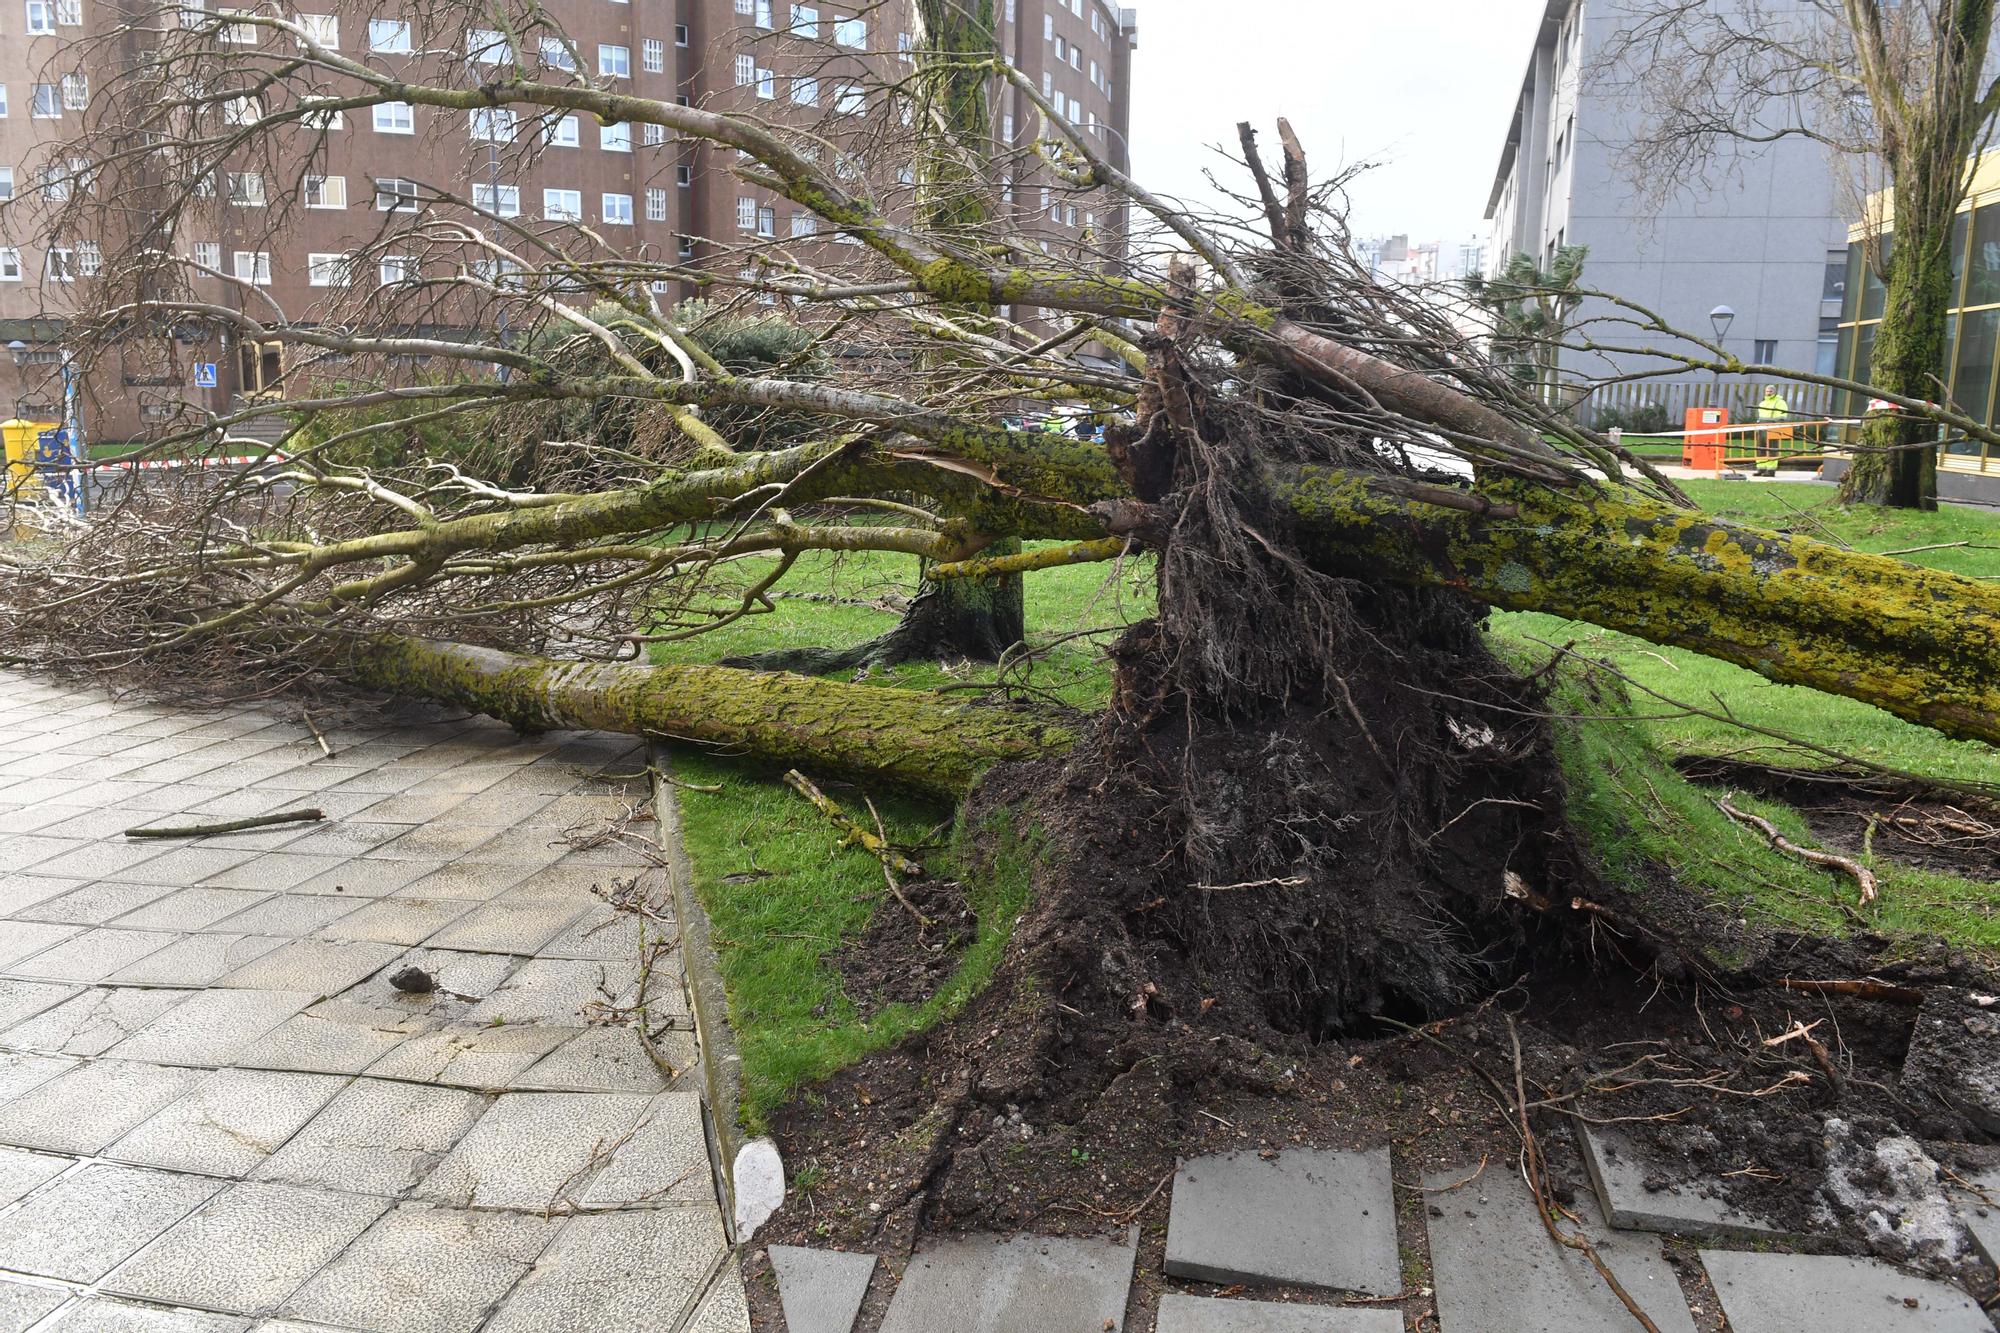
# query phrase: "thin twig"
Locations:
[[231, 826], [1863, 877]]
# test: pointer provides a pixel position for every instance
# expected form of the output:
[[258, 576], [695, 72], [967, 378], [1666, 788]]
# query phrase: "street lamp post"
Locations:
[[1720, 319]]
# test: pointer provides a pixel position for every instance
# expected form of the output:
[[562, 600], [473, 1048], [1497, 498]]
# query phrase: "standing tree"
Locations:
[[1904, 86], [1530, 311]]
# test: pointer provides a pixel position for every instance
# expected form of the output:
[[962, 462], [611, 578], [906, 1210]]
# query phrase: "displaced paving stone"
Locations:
[[84, 1226], [289, 915], [1782, 1293], [91, 1106], [91, 955], [1305, 1216], [212, 1026], [602, 933], [21, 1305], [190, 909], [397, 920], [1196, 1314], [1641, 1195], [564, 991], [21, 1172], [1497, 1271], [466, 1056], [664, 1161], [631, 1272], [1981, 1218], [604, 1060], [983, 1284], [196, 960], [821, 1290], [1951, 1073], [100, 1314], [508, 927], [228, 1123], [424, 1269], [248, 1249], [375, 1137], [475, 880], [333, 1037], [534, 1150], [91, 1022], [325, 967], [725, 1309]]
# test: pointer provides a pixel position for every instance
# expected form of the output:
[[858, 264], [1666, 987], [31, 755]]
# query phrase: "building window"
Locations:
[[484, 46], [746, 213], [41, 17], [562, 205], [805, 21], [656, 204], [392, 269], [48, 102], [326, 191], [1048, 27], [389, 36], [6, 183], [69, 13], [654, 135], [767, 221], [236, 34], [615, 138], [3, 101], [395, 118], [235, 111], [1048, 84], [322, 29], [328, 270], [61, 264], [805, 91], [208, 254], [1007, 127], [556, 54], [904, 45], [745, 6], [851, 32], [746, 71], [491, 124], [614, 62], [767, 85], [500, 200], [76, 93], [804, 224], [853, 99], [680, 34], [617, 211], [324, 120], [10, 264], [1062, 50], [1767, 351], [683, 175], [762, 17], [392, 194], [653, 55], [253, 266], [563, 133], [246, 188]]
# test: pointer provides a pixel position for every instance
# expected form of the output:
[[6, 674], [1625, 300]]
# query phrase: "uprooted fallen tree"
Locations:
[[1330, 483]]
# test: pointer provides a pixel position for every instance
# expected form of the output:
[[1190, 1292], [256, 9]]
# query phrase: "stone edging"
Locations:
[[721, 1065]]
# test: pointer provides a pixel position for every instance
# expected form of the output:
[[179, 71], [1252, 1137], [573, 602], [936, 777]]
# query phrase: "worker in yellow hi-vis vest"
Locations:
[[1772, 408]]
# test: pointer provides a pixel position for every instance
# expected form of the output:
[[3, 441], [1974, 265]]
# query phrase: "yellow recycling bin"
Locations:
[[23, 438]]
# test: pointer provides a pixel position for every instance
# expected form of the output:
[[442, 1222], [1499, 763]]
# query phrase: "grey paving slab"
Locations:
[[91, 1106], [92, 954], [478, 880], [91, 1022], [471, 1055], [602, 933], [326, 967], [22, 1172], [20, 1072], [1973, 1201], [725, 1309], [1304, 1216], [184, 865], [95, 860], [101, 1314], [442, 841], [502, 926], [560, 990], [463, 979], [664, 1161], [1181, 1313], [527, 844], [22, 1306], [1497, 1271], [190, 909], [407, 809], [534, 1150], [24, 939], [333, 1037], [397, 920], [229, 1122], [212, 1026], [604, 1059], [93, 904], [290, 914], [376, 1137], [24, 999], [86, 1224], [984, 1284], [274, 872], [367, 879], [1641, 1195], [1786, 1293], [426, 1269], [821, 1290], [196, 960], [27, 851], [18, 893], [345, 839], [631, 1272], [248, 1249], [572, 883]]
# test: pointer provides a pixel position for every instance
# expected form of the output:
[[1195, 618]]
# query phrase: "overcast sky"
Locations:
[[1424, 87]]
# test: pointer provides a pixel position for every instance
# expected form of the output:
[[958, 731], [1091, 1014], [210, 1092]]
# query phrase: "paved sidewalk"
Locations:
[[218, 1116]]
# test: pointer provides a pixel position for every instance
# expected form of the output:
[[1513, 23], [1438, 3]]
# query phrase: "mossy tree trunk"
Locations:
[[1898, 465]]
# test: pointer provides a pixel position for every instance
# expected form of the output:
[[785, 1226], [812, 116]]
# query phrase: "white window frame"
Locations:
[[47, 95], [59, 264], [851, 33], [562, 205], [323, 29], [245, 189], [767, 85], [41, 18], [76, 91], [654, 135], [389, 37], [259, 265], [615, 209], [10, 263], [387, 188], [69, 13], [615, 137], [395, 118], [232, 34], [805, 22], [6, 183], [318, 191], [746, 70], [3, 101], [207, 254], [805, 90], [614, 61], [656, 203], [492, 124], [329, 269], [767, 220], [563, 133], [746, 213], [391, 270], [558, 56], [653, 55], [488, 46], [851, 100], [502, 201]]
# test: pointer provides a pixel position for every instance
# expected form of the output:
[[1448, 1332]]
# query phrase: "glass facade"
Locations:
[[1972, 338]]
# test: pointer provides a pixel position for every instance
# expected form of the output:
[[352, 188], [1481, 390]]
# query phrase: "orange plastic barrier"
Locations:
[[1703, 448]]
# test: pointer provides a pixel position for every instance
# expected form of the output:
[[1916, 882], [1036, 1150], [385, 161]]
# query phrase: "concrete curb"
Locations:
[[721, 1064]]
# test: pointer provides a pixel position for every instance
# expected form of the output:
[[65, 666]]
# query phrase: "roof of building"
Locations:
[[1552, 16]]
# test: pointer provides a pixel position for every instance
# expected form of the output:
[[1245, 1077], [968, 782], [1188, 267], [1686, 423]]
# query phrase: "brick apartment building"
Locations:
[[315, 242]]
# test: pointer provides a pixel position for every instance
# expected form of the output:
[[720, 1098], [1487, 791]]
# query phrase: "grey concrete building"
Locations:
[[1764, 234]]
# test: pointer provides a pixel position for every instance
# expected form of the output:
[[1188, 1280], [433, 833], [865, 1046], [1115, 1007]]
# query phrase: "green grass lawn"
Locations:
[[783, 894]]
